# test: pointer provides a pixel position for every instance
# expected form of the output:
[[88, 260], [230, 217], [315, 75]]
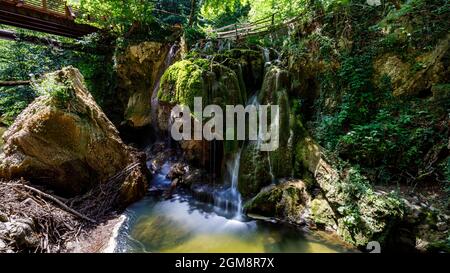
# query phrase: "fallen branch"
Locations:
[[14, 83], [55, 200]]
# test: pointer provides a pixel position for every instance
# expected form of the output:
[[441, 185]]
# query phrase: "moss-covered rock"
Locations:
[[248, 64], [322, 213], [288, 200], [254, 171], [275, 92], [214, 83], [64, 140], [186, 79]]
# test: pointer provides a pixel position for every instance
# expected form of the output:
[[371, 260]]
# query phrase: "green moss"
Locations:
[[322, 213], [181, 83], [254, 171]]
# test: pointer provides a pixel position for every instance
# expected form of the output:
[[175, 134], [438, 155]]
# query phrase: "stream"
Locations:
[[184, 224]]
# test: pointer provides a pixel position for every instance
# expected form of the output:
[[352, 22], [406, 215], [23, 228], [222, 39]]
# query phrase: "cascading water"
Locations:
[[168, 61], [266, 55], [230, 200], [254, 101]]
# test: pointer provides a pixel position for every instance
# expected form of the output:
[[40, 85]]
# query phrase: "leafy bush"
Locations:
[[56, 90], [13, 101]]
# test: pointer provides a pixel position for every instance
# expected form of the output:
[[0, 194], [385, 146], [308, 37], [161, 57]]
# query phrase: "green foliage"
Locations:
[[222, 13], [366, 125], [13, 101], [119, 16], [55, 89], [21, 61]]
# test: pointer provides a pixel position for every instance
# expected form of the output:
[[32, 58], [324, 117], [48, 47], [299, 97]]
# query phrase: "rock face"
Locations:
[[361, 214], [254, 171], [19, 232], [138, 70], [64, 140], [288, 200], [2, 130], [256, 165], [407, 80]]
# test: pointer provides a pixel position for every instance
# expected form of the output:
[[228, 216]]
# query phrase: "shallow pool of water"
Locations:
[[184, 224]]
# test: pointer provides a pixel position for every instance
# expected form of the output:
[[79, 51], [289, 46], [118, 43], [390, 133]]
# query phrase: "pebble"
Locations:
[[2, 244], [441, 226], [3, 217]]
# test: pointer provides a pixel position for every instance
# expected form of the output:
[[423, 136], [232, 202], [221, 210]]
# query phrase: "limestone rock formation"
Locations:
[[288, 200], [138, 69], [258, 167], [65, 141], [187, 79], [407, 80]]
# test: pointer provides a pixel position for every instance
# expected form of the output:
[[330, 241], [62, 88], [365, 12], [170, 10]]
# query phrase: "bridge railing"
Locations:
[[239, 30], [259, 27], [55, 7]]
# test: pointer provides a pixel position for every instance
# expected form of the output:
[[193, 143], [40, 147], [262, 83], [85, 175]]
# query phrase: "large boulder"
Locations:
[[139, 67], [190, 78], [64, 140], [288, 200]]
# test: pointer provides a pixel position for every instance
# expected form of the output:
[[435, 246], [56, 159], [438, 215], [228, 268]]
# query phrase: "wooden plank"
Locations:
[[35, 19]]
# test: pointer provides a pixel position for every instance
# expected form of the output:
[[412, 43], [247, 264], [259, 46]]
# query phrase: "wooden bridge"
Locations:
[[241, 30], [49, 16]]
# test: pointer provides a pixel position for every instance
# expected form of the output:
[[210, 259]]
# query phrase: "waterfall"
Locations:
[[229, 201], [254, 101], [168, 61], [266, 55], [233, 170]]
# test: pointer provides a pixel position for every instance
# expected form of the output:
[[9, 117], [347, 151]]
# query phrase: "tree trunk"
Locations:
[[13, 36], [192, 14], [14, 83]]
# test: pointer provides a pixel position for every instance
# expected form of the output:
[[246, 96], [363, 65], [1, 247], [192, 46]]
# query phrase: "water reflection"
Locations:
[[184, 224]]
